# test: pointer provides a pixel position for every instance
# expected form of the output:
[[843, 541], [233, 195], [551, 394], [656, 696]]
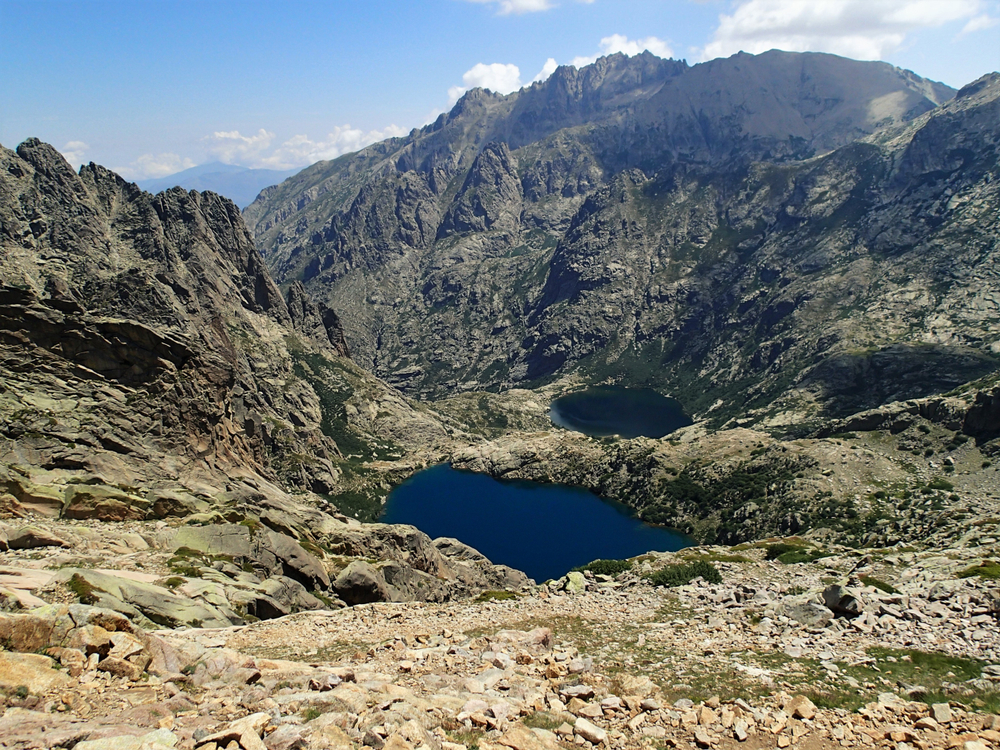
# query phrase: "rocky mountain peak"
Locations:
[[654, 223]]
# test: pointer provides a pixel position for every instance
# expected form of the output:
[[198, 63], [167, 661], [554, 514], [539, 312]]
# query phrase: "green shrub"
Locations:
[[607, 567], [939, 483], [774, 551], [681, 574], [879, 584], [792, 554]]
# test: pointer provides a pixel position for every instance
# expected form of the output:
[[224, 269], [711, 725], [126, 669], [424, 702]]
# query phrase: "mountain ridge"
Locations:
[[484, 265]]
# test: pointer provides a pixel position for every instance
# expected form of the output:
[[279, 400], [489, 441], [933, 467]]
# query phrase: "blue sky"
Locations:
[[150, 87]]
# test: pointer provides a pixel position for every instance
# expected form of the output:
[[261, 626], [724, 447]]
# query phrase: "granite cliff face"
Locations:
[[778, 233], [151, 370]]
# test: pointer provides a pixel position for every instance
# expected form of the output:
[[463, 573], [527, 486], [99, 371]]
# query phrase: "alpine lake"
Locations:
[[545, 529]]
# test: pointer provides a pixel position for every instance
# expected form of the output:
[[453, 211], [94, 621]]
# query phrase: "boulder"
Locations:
[[31, 537], [161, 739], [360, 583], [167, 504], [103, 503], [807, 613], [155, 603], [27, 632], [298, 563], [244, 543], [34, 672], [590, 732], [843, 601]]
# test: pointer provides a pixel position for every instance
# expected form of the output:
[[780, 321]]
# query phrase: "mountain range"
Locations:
[[801, 248], [779, 238], [240, 184]]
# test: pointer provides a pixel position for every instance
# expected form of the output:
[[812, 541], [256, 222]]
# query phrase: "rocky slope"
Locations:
[[734, 233], [151, 371], [852, 650]]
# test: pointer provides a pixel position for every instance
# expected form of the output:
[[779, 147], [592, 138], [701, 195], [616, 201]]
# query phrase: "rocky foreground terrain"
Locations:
[[890, 648]]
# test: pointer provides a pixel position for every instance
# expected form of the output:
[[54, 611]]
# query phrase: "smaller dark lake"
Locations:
[[612, 410], [543, 529]]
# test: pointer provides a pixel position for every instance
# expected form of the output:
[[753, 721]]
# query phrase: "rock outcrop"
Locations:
[[151, 370]]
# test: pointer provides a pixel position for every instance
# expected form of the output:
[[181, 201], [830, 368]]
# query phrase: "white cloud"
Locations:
[[232, 147], [620, 43], [862, 29], [517, 7], [300, 150], [154, 165], [548, 69], [497, 77], [73, 152], [979, 23]]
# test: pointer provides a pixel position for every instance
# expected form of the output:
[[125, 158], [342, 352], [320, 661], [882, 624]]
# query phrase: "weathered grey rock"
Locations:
[[30, 537], [153, 602], [843, 601], [299, 564], [360, 583]]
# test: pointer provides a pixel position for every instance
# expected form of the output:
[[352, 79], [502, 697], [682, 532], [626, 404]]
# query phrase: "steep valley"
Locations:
[[198, 406]]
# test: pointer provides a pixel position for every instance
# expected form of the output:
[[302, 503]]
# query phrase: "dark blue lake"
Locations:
[[543, 529], [612, 410]]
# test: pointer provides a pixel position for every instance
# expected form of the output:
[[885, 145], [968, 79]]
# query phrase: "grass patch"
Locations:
[[683, 573], [468, 737], [939, 677], [542, 720], [496, 596], [714, 558], [327, 601], [988, 569]]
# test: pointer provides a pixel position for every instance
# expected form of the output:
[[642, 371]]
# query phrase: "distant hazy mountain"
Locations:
[[240, 184]]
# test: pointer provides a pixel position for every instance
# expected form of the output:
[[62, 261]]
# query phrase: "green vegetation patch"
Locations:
[[496, 596], [935, 673], [607, 567], [868, 580], [82, 589], [988, 569], [940, 483], [683, 573], [792, 554]]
